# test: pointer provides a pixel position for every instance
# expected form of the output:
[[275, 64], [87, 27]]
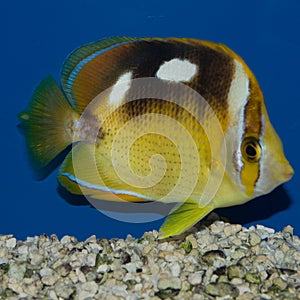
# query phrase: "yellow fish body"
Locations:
[[171, 120]]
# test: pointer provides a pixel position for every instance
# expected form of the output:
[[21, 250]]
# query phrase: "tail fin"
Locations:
[[47, 122]]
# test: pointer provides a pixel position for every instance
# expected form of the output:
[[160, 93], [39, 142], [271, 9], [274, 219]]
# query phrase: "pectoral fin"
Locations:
[[183, 217]]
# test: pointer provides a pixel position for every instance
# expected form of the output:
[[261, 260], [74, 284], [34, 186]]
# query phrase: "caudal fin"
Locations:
[[47, 122]]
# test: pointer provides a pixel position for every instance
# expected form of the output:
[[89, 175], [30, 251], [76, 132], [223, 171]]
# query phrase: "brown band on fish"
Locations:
[[252, 115], [211, 81]]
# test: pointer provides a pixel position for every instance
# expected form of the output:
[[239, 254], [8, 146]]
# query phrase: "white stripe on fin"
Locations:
[[177, 70], [104, 188]]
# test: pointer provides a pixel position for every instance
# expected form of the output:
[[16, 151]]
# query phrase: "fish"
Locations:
[[157, 120]]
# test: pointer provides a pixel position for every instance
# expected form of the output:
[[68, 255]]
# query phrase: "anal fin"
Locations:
[[79, 175]]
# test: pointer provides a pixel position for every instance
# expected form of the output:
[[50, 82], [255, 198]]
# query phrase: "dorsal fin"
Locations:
[[96, 67], [77, 60]]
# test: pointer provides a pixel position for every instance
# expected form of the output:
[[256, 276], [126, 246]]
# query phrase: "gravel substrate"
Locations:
[[213, 261]]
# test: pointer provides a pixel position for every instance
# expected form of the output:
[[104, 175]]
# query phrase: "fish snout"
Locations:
[[288, 172], [283, 172]]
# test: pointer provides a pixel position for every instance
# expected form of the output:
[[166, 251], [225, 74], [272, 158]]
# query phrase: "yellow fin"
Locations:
[[77, 84], [46, 122], [183, 217], [67, 168], [79, 175]]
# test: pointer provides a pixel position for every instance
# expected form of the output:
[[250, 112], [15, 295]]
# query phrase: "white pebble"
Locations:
[[65, 239], [11, 243], [91, 259], [23, 250], [169, 282], [102, 269], [175, 269], [17, 271], [87, 289], [195, 278]]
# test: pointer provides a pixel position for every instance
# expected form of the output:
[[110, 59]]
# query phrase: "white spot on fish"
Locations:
[[177, 70], [120, 89], [239, 89]]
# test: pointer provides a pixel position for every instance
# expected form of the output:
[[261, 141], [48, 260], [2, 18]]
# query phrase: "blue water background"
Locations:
[[38, 35]]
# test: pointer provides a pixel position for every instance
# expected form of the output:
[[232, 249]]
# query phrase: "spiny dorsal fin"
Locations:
[[76, 61], [95, 67]]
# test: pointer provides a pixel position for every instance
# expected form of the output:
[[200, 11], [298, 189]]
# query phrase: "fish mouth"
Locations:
[[288, 172], [283, 173]]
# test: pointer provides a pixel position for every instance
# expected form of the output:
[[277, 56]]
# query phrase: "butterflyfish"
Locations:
[[174, 120]]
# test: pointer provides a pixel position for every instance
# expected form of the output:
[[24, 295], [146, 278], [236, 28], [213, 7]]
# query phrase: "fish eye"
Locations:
[[251, 149]]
